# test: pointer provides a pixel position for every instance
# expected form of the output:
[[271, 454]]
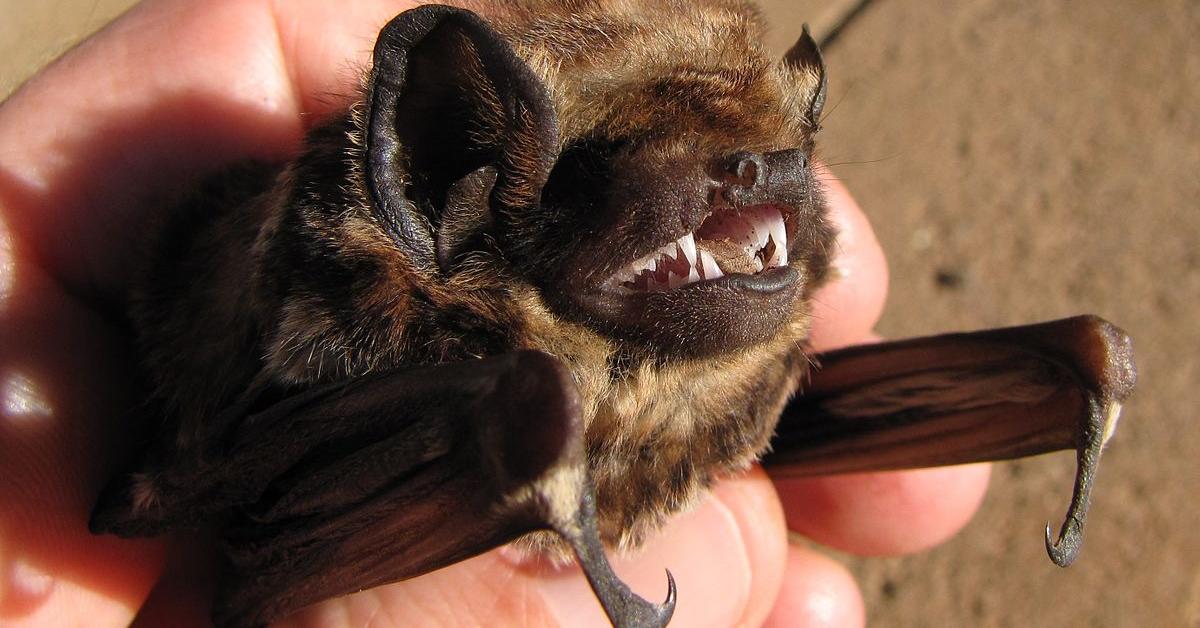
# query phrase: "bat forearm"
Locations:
[[961, 398]]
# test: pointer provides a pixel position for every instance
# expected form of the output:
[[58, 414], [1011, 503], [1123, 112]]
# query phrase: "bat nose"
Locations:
[[748, 177]]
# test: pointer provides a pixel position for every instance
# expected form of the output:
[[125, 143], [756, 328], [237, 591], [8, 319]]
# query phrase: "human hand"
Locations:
[[173, 90]]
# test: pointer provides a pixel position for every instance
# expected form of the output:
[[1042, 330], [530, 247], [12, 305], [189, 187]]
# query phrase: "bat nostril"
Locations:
[[749, 169]]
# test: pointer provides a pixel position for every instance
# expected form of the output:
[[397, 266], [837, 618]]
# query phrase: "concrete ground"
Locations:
[[1021, 162]]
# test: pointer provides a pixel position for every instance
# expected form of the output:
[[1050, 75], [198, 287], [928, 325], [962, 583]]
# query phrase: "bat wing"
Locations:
[[384, 478], [960, 398]]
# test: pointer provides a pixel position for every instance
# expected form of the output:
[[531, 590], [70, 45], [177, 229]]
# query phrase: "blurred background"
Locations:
[[1021, 162]]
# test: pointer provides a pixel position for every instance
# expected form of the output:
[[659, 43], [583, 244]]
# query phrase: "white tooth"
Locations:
[[778, 256], [772, 261], [652, 264], [709, 266], [758, 265], [693, 276], [779, 236], [687, 244], [763, 223]]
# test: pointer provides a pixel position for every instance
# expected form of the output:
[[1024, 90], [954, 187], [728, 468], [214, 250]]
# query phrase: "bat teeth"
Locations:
[[682, 262], [777, 240], [765, 225], [760, 232], [708, 266], [687, 246]]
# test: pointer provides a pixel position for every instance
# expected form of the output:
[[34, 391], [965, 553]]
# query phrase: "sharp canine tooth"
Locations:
[[778, 256], [652, 265], [693, 276], [688, 245], [709, 266], [772, 261], [779, 236], [763, 223]]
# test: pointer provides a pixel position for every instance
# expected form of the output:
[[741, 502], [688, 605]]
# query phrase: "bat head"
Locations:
[[667, 200]]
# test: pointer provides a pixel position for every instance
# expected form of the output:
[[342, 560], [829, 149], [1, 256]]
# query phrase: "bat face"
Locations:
[[692, 256], [681, 214]]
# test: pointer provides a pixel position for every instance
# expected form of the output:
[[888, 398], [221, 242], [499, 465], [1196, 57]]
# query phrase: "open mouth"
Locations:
[[744, 241]]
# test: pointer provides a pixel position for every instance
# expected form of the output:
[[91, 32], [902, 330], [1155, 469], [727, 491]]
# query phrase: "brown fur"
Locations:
[[285, 280]]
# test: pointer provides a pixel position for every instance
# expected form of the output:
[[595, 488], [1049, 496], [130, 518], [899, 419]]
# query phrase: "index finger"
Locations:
[[170, 91], [847, 308]]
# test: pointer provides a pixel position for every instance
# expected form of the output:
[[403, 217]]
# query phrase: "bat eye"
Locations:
[[582, 174]]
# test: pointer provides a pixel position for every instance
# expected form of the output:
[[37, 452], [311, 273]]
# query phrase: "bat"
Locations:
[[548, 278]]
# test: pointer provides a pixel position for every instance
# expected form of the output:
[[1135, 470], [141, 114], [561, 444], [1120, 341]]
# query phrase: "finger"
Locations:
[[847, 308], [879, 513], [170, 91], [817, 592], [62, 426], [183, 594], [884, 513]]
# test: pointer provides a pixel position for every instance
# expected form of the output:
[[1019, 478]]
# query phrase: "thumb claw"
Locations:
[[624, 608]]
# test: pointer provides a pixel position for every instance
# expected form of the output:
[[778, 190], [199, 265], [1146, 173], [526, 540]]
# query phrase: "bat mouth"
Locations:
[[714, 260], [745, 241], [725, 285]]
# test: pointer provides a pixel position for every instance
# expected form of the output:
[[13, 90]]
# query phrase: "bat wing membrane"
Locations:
[[383, 478]]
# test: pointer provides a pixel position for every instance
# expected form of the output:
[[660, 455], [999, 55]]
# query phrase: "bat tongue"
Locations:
[[730, 256]]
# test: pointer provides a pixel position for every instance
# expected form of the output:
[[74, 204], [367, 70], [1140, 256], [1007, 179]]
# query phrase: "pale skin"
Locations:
[[173, 90]]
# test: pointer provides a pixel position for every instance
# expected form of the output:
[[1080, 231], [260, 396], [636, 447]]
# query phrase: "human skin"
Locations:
[[90, 149]]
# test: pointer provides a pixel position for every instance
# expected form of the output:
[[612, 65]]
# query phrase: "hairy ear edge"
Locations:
[[447, 97], [805, 56]]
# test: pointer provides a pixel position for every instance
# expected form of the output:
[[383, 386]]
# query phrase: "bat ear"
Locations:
[[458, 126], [804, 58]]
